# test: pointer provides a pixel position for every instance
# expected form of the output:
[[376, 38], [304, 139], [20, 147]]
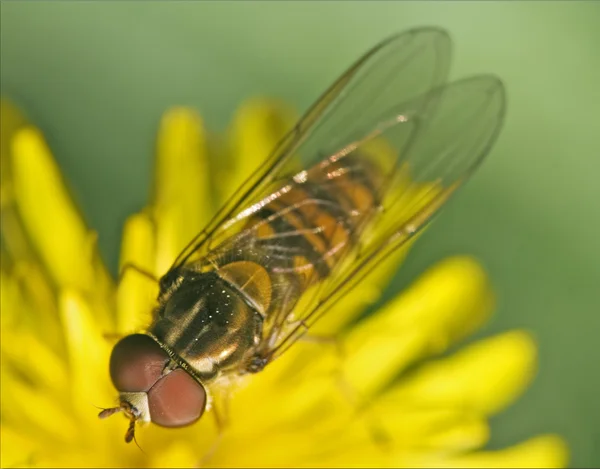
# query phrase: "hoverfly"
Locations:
[[229, 304]]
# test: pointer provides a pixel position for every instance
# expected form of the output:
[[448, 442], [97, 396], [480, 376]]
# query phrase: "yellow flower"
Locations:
[[385, 399]]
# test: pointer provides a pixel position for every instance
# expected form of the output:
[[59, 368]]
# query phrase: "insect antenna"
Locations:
[[130, 435], [107, 411]]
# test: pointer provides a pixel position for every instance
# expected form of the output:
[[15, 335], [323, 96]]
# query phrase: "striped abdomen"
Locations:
[[215, 320], [305, 230], [296, 239]]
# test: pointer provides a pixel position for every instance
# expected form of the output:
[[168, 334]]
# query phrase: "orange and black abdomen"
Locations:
[[315, 218], [216, 319]]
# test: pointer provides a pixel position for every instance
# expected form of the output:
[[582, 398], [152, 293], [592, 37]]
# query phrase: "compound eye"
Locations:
[[176, 400], [136, 363]]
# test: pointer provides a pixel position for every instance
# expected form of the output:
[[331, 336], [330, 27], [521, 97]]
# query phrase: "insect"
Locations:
[[229, 304]]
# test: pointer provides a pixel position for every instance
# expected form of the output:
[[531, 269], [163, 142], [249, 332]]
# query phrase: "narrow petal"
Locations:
[[51, 218], [35, 362], [182, 446], [9, 300], [35, 413], [300, 381], [279, 448], [177, 454], [484, 377], [293, 402], [445, 304], [136, 293], [44, 240], [17, 449], [259, 124], [546, 451], [467, 433], [29, 304], [88, 353], [415, 428], [182, 201]]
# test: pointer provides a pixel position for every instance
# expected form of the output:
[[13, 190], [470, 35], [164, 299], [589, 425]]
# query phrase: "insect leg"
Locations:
[[331, 340], [131, 266], [112, 337], [220, 412]]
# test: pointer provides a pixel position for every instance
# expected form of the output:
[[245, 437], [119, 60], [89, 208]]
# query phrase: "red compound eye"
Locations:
[[176, 400], [136, 363]]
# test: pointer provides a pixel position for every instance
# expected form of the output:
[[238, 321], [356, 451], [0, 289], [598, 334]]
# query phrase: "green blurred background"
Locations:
[[96, 77]]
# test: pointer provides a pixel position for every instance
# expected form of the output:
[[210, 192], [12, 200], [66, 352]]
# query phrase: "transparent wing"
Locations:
[[395, 71], [434, 148]]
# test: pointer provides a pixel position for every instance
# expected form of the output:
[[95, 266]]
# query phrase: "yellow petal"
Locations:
[[17, 450], [302, 380], [259, 124], [136, 293], [8, 300], [29, 410], [484, 377], [29, 304], [16, 246], [77, 457], [182, 202], [50, 217], [185, 446], [467, 434], [177, 454], [88, 353], [414, 428], [275, 449], [445, 304], [35, 361], [543, 451], [293, 402]]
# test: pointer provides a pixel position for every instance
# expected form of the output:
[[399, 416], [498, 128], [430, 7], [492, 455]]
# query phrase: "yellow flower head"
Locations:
[[381, 396]]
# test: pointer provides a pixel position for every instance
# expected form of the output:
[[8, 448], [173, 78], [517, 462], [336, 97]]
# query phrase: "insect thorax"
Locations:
[[208, 323]]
